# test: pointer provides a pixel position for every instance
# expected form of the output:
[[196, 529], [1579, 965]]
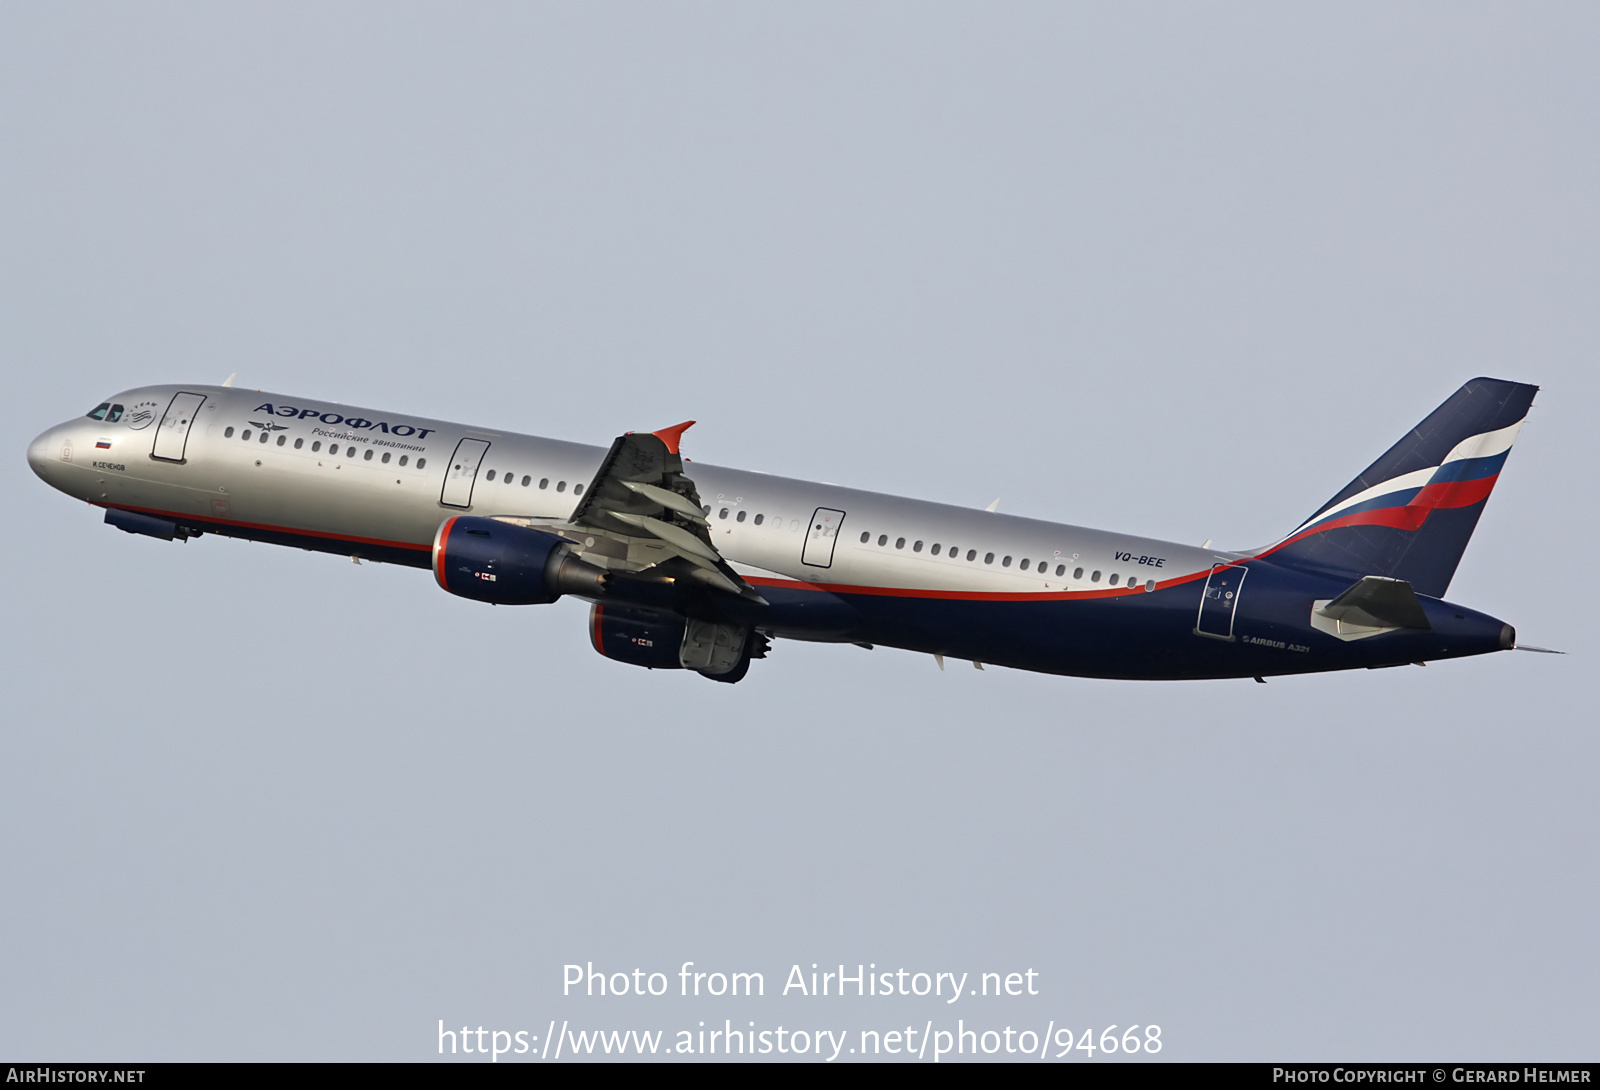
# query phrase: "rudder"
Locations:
[[1410, 514]]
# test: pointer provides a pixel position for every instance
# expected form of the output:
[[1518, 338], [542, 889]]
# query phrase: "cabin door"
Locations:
[[1219, 601], [172, 434], [820, 537], [463, 473]]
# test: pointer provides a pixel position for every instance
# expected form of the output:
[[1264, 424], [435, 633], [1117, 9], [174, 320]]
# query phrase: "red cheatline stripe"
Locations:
[[1401, 518], [188, 518], [763, 581], [971, 595]]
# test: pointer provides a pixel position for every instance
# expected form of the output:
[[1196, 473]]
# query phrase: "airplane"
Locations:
[[700, 567]]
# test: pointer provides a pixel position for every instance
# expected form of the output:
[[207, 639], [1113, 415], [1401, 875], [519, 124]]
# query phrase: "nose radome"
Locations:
[[42, 450], [50, 452]]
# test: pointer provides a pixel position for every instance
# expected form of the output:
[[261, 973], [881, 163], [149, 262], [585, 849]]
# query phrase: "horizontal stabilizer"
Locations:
[[1378, 602]]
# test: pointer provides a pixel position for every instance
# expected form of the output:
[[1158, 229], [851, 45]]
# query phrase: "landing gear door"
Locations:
[[463, 472], [172, 434], [1219, 601], [820, 538]]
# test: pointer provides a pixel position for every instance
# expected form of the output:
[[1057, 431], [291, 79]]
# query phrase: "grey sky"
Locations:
[[1173, 269]]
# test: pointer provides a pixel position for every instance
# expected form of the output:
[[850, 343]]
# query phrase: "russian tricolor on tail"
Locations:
[[1410, 514], [1466, 476]]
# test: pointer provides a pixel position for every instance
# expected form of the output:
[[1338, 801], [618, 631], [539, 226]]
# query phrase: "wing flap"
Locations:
[[641, 510]]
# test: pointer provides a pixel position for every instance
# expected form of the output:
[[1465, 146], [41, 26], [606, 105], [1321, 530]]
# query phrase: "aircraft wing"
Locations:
[[641, 510]]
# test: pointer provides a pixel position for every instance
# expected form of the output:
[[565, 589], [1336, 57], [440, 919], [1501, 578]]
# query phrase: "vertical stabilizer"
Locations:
[[1410, 514]]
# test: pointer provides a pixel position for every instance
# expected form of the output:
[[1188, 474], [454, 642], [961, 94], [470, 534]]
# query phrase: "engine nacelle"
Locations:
[[639, 637], [667, 641], [490, 561]]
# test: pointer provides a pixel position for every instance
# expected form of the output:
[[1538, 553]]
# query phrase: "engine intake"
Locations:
[[490, 561]]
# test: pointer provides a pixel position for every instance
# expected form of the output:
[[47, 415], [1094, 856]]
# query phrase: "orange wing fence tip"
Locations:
[[672, 435]]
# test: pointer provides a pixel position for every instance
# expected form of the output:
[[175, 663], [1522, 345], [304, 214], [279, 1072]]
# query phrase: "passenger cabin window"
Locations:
[[972, 554], [561, 486], [722, 514], [1077, 573], [883, 539], [988, 558], [298, 443], [577, 490], [282, 439], [1113, 579], [420, 462], [1024, 565], [1061, 569], [1006, 562], [916, 547], [899, 543], [759, 519], [245, 435], [367, 457], [316, 446], [386, 457], [1095, 578], [491, 475], [934, 550], [526, 480], [227, 433], [403, 459], [740, 516]]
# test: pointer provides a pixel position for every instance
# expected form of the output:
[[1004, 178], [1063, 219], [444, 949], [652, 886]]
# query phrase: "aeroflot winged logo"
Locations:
[[355, 422]]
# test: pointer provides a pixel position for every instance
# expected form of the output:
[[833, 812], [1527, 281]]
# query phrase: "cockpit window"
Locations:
[[114, 415], [99, 412]]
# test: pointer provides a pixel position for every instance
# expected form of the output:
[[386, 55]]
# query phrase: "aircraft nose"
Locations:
[[46, 450]]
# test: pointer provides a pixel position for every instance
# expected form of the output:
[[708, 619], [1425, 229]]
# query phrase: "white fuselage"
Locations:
[[263, 461]]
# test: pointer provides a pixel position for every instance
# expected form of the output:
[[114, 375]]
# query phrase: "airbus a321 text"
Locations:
[[698, 567]]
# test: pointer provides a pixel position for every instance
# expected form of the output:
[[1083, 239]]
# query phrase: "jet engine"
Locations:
[[667, 641], [490, 561]]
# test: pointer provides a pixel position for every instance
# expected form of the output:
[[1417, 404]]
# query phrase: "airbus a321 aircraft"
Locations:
[[697, 567]]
